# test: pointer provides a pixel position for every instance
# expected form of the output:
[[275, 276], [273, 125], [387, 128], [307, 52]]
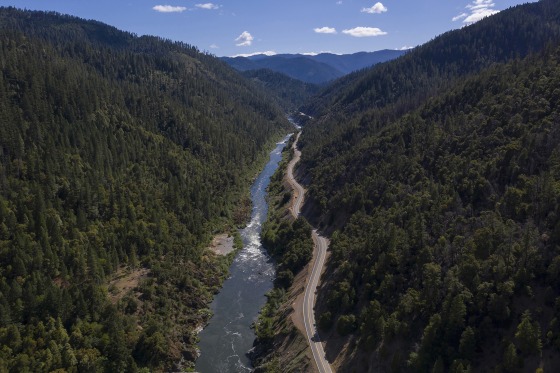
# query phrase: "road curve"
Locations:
[[321, 244], [299, 192]]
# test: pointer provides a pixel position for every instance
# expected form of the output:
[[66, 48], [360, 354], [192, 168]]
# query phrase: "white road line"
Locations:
[[321, 246]]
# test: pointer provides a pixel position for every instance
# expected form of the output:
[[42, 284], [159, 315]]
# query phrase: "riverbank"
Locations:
[[222, 244], [228, 336], [281, 344]]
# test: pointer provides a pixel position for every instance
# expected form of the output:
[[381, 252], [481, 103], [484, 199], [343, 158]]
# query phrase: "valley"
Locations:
[[227, 338], [412, 224]]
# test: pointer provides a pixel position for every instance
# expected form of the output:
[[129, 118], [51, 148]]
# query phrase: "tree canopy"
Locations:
[[117, 153], [438, 175]]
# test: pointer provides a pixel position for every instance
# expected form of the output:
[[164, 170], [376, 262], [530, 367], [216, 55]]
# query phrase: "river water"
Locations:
[[229, 336]]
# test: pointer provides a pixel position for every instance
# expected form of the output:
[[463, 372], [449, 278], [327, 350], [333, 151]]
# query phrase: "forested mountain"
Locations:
[[439, 174], [422, 72], [120, 156], [450, 249], [347, 63], [296, 67], [316, 69], [289, 92], [360, 104]]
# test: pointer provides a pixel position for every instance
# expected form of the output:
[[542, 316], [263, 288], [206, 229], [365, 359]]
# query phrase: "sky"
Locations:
[[245, 27]]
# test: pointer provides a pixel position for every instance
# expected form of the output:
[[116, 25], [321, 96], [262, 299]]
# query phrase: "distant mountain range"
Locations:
[[317, 69]]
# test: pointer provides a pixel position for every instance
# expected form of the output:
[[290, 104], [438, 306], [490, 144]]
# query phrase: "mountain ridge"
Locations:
[[446, 52], [317, 69]]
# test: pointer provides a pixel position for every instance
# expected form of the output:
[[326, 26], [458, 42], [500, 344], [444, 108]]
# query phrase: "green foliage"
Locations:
[[511, 361], [151, 348], [117, 153], [528, 335], [290, 243], [401, 85], [288, 92], [264, 328], [438, 174], [346, 324], [467, 343], [325, 320]]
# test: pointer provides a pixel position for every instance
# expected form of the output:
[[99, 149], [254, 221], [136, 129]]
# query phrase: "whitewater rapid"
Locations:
[[224, 343]]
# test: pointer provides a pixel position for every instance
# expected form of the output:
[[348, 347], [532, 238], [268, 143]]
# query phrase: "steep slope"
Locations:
[[119, 158], [280, 346], [406, 82], [439, 171], [289, 92], [449, 257]]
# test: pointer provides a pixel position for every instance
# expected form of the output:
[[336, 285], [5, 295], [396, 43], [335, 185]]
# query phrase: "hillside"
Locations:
[[296, 67], [438, 174], [403, 84], [451, 242], [288, 92], [315, 69], [120, 157]]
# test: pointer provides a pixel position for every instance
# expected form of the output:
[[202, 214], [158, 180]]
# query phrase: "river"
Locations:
[[228, 337]]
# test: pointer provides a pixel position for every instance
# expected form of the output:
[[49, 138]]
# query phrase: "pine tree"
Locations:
[[528, 335]]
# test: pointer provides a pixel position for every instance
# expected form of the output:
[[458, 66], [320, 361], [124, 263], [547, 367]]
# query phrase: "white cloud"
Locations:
[[267, 53], [477, 16], [362, 32], [325, 30], [405, 48], [245, 39], [169, 9], [339, 2], [460, 16], [478, 9], [375, 9], [208, 6], [214, 46]]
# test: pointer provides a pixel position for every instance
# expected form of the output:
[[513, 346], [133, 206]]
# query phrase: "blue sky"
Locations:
[[236, 27]]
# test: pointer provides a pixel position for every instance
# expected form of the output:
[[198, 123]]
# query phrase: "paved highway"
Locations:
[[321, 245]]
